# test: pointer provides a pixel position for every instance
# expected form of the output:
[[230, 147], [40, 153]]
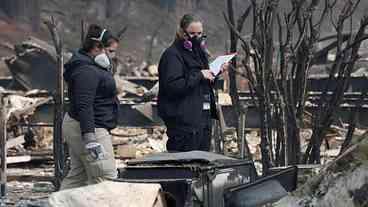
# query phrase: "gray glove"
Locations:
[[95, 150]]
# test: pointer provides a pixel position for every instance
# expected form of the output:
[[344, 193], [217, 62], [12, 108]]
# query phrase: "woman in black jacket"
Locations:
[[186, 101], [93, 110]]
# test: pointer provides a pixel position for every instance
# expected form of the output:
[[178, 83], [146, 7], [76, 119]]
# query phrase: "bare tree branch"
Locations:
[[121, 32]]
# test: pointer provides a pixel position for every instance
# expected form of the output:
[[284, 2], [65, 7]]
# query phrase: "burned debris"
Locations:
[[141, 114], [302, 108], [279, 74]]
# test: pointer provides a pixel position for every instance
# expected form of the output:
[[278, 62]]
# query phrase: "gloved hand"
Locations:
[[95, 150]]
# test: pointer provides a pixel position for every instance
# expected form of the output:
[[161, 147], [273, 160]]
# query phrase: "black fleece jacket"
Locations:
[[182, 88], [92, 93]]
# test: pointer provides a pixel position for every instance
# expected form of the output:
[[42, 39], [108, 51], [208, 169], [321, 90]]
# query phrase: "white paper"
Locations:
[[215, 66]]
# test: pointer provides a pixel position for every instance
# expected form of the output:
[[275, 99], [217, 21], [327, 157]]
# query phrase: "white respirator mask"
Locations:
[[103, 61]]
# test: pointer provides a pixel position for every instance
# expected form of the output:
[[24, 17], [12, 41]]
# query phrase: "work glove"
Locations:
[[95, 151]]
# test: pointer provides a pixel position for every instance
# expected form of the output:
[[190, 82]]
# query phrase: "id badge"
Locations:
[[206, 106]]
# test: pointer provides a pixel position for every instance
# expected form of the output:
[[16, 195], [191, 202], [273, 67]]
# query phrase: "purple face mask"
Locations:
[[188, 45]]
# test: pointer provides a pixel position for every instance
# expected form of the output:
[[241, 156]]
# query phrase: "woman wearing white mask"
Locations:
[[93, 110]]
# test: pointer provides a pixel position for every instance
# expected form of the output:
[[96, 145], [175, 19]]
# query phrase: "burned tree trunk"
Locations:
[[233, 48], [262, 57], [111, 7], [151, 42], [346, 56], [262, 42], [282, 90], [238, 27], [58, 146]]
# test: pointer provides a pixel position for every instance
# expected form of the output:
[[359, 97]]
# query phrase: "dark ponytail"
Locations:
[[94, 31], [92, 38]]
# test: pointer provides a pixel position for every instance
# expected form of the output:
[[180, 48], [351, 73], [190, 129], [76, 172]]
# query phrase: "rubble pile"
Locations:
[[28, 144], [28, 149], [142, 70], [137, 142], [340, 183], [16, 109]]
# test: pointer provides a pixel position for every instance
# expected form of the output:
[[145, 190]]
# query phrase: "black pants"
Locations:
[[184, 141], [197, 139]]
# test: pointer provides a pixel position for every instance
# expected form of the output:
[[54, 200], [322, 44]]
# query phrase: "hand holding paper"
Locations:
[[215, 66], [207, 74]]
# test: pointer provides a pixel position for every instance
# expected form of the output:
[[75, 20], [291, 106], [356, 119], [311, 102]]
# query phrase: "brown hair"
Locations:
[[185, 21]]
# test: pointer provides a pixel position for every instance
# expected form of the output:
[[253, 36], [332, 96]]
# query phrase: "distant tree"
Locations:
[[23, 11], [113, 7], [169, 5]]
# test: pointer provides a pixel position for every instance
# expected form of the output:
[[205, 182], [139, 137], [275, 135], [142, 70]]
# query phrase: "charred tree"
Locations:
[[278, 71], [262, 59], [58, 96], [340, 73], [293, 69], [238, 27]]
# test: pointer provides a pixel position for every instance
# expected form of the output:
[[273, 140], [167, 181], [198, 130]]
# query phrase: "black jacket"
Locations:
[[92, 93], [182, 87]]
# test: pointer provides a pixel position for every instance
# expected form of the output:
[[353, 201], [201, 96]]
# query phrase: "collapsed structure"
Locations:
[[34, 60]]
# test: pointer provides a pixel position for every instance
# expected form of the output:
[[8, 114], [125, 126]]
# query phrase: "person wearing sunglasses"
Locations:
[[93, 110]]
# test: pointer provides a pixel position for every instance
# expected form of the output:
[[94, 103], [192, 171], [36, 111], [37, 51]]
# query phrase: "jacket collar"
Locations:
[[189, 56]]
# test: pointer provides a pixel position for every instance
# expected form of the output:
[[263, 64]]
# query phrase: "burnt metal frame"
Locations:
[[184, 172]]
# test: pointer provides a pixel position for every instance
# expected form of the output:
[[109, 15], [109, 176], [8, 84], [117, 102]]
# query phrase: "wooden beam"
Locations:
[[18, 159], [15, 142], [27, 158], [30, 178]]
